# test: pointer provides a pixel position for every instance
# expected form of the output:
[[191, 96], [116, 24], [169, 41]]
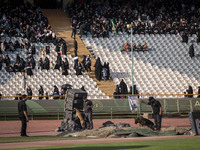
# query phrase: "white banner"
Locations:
[[133, 103]]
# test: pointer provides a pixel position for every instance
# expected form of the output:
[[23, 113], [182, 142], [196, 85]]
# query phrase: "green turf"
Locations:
[[172, 144], [32, 138]]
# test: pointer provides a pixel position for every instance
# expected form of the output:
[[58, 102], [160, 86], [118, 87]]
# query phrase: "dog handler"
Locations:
[[157, 111], [87, 109]]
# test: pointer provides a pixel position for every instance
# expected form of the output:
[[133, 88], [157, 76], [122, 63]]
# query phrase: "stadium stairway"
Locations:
[[61, 24]]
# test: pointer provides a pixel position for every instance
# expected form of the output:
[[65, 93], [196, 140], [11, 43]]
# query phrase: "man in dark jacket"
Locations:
[[157, 111], [87, 109], [22, 110]]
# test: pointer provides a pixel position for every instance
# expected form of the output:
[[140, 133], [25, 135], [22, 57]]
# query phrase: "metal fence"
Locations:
[[47, 109]]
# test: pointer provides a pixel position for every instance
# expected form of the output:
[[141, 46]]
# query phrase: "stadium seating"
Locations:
[[166, 68], [12, 83]]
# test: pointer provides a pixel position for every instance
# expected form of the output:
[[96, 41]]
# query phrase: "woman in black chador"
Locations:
[[98, 69], [41, 92]]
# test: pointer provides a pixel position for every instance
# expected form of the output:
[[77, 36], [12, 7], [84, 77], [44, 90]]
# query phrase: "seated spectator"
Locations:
[[127, 47], [7, 60], [122, 48], [10, 68], [139, 47], [134, 47], [144, 47]]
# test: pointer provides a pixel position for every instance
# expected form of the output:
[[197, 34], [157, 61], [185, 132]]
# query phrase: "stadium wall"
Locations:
[[105, 106]]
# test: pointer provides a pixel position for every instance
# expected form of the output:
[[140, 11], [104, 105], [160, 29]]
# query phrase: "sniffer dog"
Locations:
[[80, 117], [144, 122]]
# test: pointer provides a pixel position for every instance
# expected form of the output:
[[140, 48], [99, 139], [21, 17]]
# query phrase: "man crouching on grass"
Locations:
[[157, 111]]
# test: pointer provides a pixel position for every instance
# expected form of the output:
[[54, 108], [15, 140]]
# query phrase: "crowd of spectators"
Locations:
[[137, 48], [29, 25], [146, 16]]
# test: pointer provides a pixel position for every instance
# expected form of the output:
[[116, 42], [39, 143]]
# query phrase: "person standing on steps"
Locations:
[[73, 29]]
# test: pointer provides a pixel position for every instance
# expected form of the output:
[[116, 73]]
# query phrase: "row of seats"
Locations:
[[12, 83], [165, 69]]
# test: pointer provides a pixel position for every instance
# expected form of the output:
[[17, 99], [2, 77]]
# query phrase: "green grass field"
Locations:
[[172, 144]]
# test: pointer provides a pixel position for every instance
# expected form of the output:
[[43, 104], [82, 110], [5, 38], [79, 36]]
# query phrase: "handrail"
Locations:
[[125, 95]]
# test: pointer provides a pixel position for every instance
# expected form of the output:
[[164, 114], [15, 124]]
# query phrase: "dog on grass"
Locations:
[[80, 117], [144, 122]]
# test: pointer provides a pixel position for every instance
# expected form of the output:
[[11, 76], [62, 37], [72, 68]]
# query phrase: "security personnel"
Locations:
[[157, 111], [22, 110], [87, 109]]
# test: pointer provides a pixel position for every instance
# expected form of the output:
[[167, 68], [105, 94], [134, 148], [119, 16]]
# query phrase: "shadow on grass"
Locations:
[[100, 147]]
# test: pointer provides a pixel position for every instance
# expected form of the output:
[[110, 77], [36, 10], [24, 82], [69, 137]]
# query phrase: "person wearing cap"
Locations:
[[87, 109], [22, 111], [157, 111]]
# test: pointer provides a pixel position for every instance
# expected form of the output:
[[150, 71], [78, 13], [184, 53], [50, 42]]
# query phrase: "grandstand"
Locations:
[[166, 68]]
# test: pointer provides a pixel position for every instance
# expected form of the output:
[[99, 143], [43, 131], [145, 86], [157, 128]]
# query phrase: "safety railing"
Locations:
[[102, 107], [52, 97]]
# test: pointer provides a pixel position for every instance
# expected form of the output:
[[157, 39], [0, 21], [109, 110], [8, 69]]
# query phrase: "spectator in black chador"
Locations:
[[56, 92], [190, 92], [98, 69], [191, 51], [64, 48], [46, 63], [58, 62], [75, 47], [123, 88], [88, 63], [116, 92], [41, 93]]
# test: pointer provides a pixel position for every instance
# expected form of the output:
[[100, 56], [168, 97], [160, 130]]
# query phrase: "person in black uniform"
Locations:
[[157, 111], [87, 109], [22, 110]]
